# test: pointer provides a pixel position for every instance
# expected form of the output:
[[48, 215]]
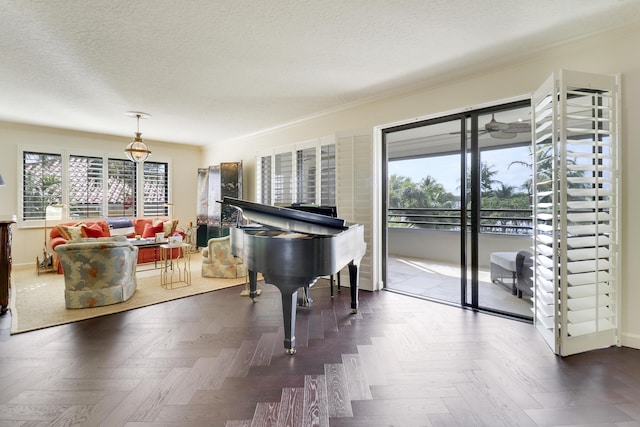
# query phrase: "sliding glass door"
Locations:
[[500, 210], [457, 195], [424, 210]]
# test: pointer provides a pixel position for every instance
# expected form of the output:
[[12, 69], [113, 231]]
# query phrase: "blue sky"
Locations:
[[446, 169]]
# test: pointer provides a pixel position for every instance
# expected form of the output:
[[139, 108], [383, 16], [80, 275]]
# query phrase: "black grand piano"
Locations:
[[292, 248]]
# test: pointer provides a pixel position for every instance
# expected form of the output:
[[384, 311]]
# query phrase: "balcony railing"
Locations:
[[501, 221]]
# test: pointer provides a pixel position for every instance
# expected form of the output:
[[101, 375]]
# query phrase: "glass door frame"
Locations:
[[469, 217]]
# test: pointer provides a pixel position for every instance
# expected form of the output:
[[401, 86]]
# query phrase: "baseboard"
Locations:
[[630, 340]]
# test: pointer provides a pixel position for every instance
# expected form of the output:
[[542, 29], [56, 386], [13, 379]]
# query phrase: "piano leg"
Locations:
[[305, 300], [333, 280], [353, 279], [253, 285], [289, 300]]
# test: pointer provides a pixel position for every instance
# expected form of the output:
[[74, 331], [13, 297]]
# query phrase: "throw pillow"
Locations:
[[94, 230], [151, 230], [168, 226], [70, 232]]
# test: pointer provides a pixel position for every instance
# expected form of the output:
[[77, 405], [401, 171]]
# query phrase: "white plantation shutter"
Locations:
[[299, 173], [328, 174], [306, 167], [121, 188], [344, 177], [86, 187], [576, 211], [283, 179], [41, 183], [355, 193], [156, 188], [263, 179]]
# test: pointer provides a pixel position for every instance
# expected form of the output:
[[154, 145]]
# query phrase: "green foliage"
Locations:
[[428, 193], [515, 201], [428, 205]]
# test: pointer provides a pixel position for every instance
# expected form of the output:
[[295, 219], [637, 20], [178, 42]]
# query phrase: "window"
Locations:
[[328, 175], [283, 182], [305, 173], [41, 184], [122, 188], [86, 188], [92, 186], [264, 180], [156, 189]]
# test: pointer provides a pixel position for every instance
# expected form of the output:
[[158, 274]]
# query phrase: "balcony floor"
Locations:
[[440, 281]]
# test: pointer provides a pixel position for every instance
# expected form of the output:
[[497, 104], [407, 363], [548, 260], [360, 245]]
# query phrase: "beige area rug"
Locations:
[[38, 301]]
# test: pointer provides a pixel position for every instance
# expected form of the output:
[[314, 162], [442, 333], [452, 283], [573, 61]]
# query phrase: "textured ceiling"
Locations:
[[217, 70]]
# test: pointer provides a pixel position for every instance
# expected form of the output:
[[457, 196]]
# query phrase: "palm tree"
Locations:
[[428, 193], [434, 193], [402, 192], [487, 172], [504, 191]]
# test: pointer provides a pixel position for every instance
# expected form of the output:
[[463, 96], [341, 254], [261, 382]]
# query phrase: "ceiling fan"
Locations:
[[495, 126], [503, 130]]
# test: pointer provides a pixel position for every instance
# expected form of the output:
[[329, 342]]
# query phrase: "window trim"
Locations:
[[66, 153]]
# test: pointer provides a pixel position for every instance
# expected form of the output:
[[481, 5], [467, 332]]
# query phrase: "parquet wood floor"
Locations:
[[218, 360]]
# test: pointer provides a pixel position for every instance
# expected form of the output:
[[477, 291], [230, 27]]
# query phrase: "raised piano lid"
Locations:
[[288, 219]]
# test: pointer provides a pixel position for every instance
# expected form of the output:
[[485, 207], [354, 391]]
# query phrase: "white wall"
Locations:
[[28, 242], [608, 53]]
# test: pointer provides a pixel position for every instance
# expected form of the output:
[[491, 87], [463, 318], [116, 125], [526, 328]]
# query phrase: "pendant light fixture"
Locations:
[[137, 151]]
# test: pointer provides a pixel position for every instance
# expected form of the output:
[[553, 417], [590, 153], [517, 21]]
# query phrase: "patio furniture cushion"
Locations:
[[503, 267], [506, 260], [524, 273]]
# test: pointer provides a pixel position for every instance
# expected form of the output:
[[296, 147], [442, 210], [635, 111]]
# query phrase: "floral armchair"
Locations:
[[98, 271], [218, 261]]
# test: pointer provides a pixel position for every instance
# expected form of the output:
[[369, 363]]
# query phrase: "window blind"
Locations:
[[283, 180], [86, 188], [328, 175], [306, 175], [264, 180], [121, 188], [576, 211], [156, 188], [41, 183]]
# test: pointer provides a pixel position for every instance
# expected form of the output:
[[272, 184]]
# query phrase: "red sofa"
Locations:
[[100, 228]]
